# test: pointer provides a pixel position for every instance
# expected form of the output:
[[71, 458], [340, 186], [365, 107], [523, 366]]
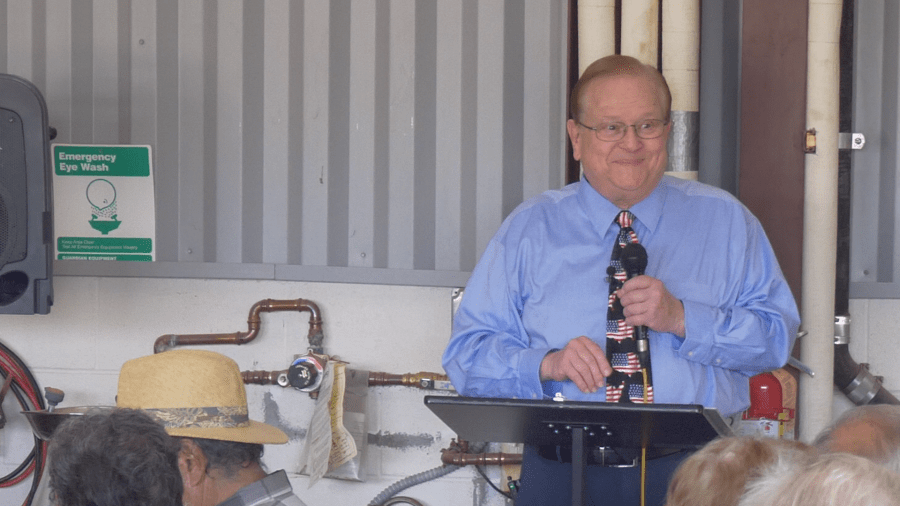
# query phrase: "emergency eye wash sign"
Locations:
[[103, 206]]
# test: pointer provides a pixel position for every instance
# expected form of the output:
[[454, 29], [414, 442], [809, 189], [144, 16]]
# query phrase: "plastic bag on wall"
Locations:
[[337, 438], [357, 388]]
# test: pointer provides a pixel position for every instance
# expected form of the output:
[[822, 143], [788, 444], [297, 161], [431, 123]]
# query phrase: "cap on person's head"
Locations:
[[194, 393]]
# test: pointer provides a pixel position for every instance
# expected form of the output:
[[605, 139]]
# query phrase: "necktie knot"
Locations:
[[624, 218]]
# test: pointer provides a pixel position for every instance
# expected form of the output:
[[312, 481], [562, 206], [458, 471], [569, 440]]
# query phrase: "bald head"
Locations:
[[871, 431]]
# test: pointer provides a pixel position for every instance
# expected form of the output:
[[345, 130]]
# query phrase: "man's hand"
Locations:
[[646, 301], [582, 361]]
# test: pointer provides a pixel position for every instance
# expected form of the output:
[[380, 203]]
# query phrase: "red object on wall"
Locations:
[[765, 397]]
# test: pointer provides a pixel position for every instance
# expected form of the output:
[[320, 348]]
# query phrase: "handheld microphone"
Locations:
[[634, 261]]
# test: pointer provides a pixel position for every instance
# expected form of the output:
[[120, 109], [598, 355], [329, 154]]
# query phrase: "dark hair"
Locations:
[[614, 65], [229, 456], [109, 458]]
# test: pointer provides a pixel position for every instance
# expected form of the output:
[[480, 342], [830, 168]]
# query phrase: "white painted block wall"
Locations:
[[96, 324]]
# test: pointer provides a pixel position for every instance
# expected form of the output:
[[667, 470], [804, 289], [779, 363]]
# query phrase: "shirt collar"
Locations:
[[273, 486], [603, 212]]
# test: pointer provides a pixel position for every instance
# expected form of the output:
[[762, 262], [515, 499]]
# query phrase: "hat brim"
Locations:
[[255, 433]]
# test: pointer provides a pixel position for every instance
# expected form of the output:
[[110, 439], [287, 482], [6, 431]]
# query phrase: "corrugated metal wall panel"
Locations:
[[874, 226], [341, 140]]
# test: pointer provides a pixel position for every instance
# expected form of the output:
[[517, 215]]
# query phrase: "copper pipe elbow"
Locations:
[[315, 335]]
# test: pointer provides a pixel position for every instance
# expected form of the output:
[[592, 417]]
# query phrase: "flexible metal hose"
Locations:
[[417, 479], [411, 481], [403, 500]]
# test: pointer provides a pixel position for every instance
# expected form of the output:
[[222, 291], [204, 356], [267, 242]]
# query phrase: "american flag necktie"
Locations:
[[626, 384]]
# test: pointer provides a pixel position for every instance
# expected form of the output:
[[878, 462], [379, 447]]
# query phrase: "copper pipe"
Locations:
[[423, 380], [458, 455], [262, 377], [481, 459], [314, 336]]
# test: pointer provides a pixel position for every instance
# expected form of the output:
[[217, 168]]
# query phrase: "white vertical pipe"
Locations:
[[820, 217], [681, 66], [596, 31], [681, 52], [640, 28]]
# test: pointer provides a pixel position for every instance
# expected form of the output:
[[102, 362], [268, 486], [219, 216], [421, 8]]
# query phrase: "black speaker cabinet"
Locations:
[[26, 234]]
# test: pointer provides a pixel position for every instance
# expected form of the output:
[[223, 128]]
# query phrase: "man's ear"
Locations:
[[574, 137], [192, 463]]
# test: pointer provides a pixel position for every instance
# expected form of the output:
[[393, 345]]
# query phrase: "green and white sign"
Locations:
[[103, 205]]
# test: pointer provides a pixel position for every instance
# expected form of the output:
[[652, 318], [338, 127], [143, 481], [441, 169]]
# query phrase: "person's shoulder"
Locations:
[[545, 201], [693, 199], [539, 211], [689, 188], [552, 197]]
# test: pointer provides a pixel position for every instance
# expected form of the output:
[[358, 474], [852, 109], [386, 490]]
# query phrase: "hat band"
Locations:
[[210, 417]]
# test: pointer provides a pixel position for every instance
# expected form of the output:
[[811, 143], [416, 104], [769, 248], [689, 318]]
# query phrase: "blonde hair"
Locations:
[[836, 479], [717, 473]]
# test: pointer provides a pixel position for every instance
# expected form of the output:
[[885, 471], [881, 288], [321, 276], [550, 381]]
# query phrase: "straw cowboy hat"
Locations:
[[194, 393]]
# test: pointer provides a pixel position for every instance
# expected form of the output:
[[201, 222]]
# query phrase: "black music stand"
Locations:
[[579, 425]]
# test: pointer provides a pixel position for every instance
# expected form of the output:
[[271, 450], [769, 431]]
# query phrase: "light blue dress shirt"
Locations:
[[541, 282]]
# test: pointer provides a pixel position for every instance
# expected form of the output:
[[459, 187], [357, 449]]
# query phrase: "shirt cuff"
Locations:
[[697, 343], [530, 370]]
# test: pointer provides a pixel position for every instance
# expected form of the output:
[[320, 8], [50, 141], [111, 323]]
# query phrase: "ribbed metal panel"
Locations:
[[322, 138], [874, 227]]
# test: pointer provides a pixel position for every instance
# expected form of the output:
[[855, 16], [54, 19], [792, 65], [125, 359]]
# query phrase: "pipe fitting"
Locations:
[[841, 329], [480, 459], [423, 380], [307, 372], [862, 389], [402, 500], [852, 378]]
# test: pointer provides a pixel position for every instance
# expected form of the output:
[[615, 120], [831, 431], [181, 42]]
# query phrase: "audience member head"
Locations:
[[871, 431], [836, 479], [114, 457], [716, 474], [199, 397]]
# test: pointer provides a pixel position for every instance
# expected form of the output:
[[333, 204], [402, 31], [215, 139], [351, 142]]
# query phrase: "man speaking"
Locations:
[[550, 309]]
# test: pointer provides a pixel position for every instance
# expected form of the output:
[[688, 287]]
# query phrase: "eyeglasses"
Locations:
[[647, 129]]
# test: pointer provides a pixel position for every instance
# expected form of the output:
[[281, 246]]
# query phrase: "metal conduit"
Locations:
[[852, 378]]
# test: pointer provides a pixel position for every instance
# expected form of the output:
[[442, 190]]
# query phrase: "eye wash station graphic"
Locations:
[[103, 203], [102, 196]]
